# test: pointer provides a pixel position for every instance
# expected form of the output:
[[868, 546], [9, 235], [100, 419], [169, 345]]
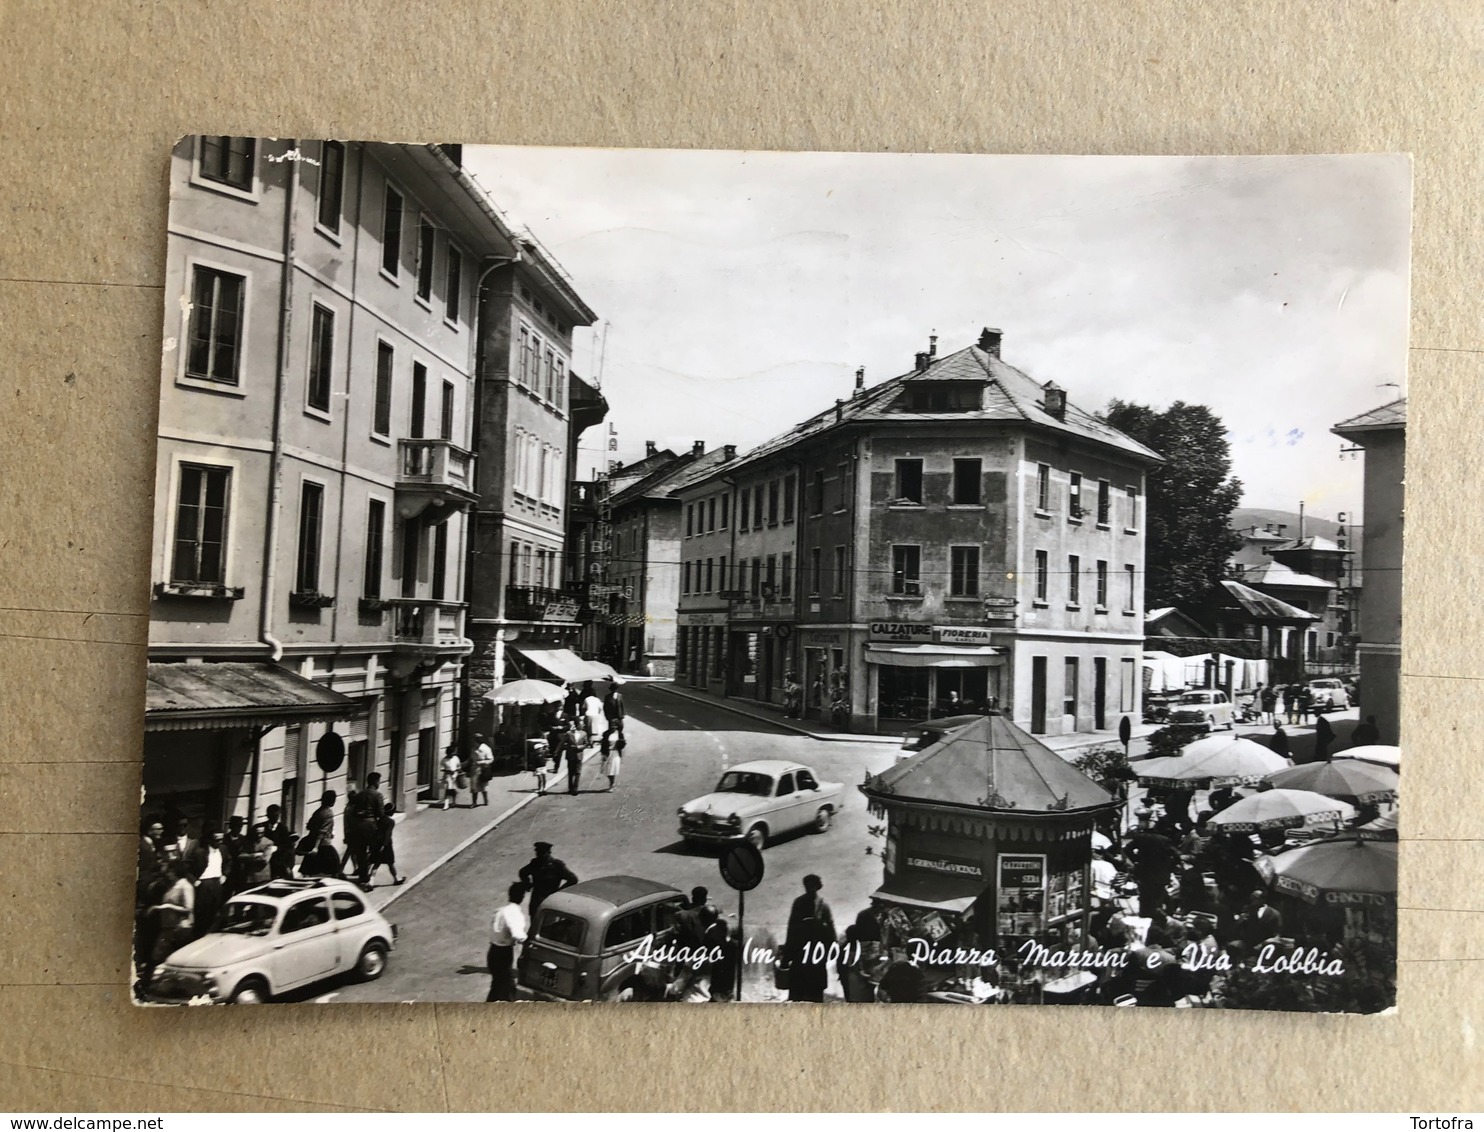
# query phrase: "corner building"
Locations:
[[966, 538], [315, 471]]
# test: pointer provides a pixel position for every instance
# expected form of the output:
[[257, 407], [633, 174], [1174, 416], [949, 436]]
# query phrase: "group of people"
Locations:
[[572, 728], [183, 881], [1291, 703]]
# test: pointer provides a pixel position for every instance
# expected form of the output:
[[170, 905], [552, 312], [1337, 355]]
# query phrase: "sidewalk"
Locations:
[[432, 836], [1061, 744]]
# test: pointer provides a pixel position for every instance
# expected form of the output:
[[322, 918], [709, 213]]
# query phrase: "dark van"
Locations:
[[583, 939]]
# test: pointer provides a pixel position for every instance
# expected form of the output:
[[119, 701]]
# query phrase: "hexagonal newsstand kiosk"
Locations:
[[988, 847]]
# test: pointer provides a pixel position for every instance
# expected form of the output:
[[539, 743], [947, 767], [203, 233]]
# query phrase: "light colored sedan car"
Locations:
[[761, 800], [276, 938], [1208, 708], [1329, 695]]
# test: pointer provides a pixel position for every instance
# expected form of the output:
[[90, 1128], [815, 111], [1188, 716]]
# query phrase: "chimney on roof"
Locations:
[[932, 345], [1056, 400], [698, 448], [649, 448], [922, 361], [860, 379], [839, 409], [729, 452], [989, 341]]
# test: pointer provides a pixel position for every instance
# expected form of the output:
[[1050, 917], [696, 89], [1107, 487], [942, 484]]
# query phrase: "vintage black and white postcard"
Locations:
[[702, 576]]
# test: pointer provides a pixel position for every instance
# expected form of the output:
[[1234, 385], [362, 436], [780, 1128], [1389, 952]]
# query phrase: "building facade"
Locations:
[[1382, 433], [315, 471], [965, 538], [531, 410]]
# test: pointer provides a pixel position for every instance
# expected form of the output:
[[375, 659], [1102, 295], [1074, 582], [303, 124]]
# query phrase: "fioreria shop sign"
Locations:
[[917, 633]]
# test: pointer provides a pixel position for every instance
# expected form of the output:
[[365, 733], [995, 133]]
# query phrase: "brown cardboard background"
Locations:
[[93, 97]]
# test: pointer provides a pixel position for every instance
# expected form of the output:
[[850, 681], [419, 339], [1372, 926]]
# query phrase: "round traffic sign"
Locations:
[[742, 865]]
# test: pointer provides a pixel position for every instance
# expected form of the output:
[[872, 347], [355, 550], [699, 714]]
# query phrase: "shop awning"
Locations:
[[218, 695], [564, 664], [934, 656], [945, 893]]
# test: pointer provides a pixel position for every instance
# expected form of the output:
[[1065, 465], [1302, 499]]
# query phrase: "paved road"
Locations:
[[677, 750]]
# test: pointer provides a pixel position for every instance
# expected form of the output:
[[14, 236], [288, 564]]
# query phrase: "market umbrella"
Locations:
[[1382, 829], [1349, 780], [1281, 809], [527, 692], [1101, 840], [1216, 761], [1343, 872], [1377, 753]]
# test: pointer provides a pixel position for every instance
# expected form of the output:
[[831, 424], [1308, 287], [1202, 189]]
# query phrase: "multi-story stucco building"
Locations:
[[965, 536], [1383, 434], [315, 470]]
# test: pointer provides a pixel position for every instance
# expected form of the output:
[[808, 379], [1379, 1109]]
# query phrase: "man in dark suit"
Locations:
[[544, 874]]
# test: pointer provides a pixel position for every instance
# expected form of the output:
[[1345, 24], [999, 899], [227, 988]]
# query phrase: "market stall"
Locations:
[[987, 858]]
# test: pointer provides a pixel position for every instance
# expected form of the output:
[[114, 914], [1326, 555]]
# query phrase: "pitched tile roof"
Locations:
[[1263, 606], [1009, 395], [1277, 574]]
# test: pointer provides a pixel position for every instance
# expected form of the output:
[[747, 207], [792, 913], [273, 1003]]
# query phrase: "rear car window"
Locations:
[[560, 928]]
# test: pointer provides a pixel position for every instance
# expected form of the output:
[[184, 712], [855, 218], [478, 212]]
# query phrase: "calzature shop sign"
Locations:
[[910, 632]]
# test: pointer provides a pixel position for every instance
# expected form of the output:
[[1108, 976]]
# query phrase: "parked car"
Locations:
[[1205, 707], [1330, 694], [587, 941], [760, 800], [923, 735], [276, 938]]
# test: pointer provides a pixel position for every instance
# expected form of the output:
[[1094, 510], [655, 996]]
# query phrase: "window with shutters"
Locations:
[[419, 410], [1074, 497], [445, 416], [427, 237], [963, 570], [375, 548], [228, 161], [440, 561], [200, 549], [1043, 488], [1074, 580], [908, 483], [1043, 571], [381, 422], [840, 575], [906, 570], [1102, 576], [311, 519], [331, 185], [815, 566], [1105, 503], [790, 489], [215, 345], [786, 577], [454, 284]]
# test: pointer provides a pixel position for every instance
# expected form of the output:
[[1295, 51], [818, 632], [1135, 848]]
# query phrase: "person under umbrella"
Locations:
[[1279, 740], [1324, 737]]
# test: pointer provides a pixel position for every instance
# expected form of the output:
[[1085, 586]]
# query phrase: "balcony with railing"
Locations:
[[433, 475], [429, 628]]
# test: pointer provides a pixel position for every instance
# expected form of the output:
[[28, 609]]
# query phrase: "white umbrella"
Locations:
[[1101, 840], [526, 692], [1282, 809], [605, 671], [1216, 761], [1377, 753]]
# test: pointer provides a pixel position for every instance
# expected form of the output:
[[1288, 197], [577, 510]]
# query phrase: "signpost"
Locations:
[[741, 867]]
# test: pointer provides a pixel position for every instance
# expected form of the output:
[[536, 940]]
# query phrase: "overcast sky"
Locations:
[[740, 291]]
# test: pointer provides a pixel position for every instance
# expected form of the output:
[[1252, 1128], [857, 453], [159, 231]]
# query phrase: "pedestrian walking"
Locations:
[[593, 715], [544, 874], [614, 714], [507, 928], [1324, 737], [538, 761], [1257, 694], [1305, 703], [317, 846], [1290, 703], [572, 751], [385, 852], [613, 759], [1269, 703], [362, 828], [811, 931], [208, 867], [453, 772], [484, 770]]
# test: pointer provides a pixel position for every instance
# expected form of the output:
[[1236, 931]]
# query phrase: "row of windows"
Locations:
[[965, 486], [214, 354], [202, 523], [539, 472], [232, 162], [540, 368], [768, 577], [764, 504], [1074, 574], [532, 565], [1078, 502]]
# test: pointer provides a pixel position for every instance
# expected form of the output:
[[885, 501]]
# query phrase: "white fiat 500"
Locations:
[[759, 801], [276, 938]]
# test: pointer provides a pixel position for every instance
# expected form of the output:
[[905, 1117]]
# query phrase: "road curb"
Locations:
[[727, 705], [423, 874]]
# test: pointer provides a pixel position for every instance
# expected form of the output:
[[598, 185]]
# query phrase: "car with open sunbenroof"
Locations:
[[276, 938]]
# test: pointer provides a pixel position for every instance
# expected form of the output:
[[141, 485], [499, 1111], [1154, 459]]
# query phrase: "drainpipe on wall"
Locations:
[[275, 474]]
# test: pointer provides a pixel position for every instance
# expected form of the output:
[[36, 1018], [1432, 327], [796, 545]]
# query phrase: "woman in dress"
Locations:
[[453, 769], [595, 719], [613, 759], [383, 852]]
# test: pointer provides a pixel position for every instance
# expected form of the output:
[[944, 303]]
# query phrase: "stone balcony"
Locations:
[[434, 477]]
